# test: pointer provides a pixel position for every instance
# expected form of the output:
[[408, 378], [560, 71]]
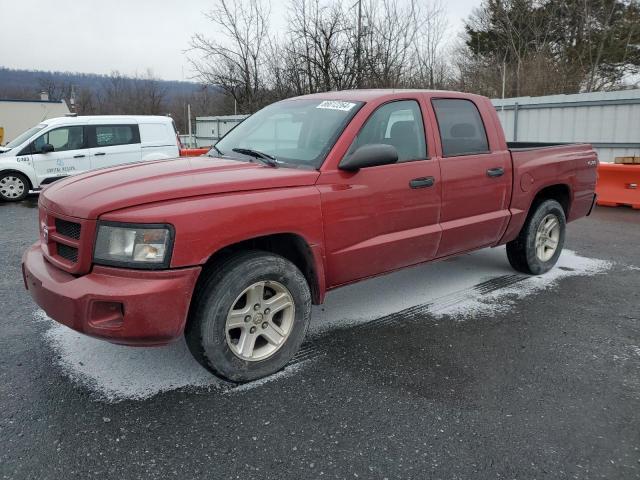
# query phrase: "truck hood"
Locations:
[[94, 193]]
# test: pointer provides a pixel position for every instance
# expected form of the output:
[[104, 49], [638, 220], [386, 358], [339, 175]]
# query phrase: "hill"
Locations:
[[27, 84]]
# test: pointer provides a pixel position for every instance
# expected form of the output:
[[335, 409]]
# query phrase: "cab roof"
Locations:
[[368, 95]]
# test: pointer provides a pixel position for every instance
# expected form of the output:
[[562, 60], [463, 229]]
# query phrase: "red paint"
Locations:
[[154, 304], [356, 224]]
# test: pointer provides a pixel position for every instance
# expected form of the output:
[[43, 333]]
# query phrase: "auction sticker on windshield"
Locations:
[[336, 105]]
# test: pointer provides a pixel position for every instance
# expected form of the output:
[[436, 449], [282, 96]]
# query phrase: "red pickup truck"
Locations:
[[231, 249]]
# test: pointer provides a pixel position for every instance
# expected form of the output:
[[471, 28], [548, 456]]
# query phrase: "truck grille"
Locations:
[[67, 241], [67, 252], [68, 229]]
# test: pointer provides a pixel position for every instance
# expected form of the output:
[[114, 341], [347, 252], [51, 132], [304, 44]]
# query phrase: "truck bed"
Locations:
[[539, 145], [538, 165]]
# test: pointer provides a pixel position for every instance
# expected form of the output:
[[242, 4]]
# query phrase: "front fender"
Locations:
[[206, 224], [25, 168]]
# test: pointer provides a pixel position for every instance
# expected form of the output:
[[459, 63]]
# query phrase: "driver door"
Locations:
[[69, 155], [385, 217]]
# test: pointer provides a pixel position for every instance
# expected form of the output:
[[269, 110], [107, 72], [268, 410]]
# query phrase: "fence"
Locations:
[[610, 121], [210, 129]]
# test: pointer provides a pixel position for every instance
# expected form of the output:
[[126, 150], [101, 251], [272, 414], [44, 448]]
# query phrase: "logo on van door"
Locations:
[[60, 168]]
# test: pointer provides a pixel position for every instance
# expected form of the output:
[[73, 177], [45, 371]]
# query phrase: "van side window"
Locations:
[[461, 129], [62, 139], [110, 135], [398, 124]]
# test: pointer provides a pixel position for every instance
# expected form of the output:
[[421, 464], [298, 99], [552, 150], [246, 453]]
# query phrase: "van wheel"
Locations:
[[540, 242], [13, 186], [249, 316]]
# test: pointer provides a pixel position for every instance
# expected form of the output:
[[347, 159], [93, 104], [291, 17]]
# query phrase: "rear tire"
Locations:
[[540, 242], [249, 316], [13, 186]]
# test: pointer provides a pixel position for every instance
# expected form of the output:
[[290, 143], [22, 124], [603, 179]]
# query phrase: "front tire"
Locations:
[[540, 242], [13, 186], [249, 316]]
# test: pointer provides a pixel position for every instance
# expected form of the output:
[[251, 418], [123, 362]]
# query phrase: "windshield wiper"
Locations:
[[263, 157]]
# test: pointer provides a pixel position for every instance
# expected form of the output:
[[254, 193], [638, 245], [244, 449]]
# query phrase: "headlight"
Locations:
[[136, 246]]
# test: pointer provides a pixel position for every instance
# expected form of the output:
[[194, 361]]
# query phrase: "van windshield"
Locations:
[[299, 133], [24, 136]]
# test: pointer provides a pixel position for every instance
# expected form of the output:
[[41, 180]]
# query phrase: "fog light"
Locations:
[[106, 315]]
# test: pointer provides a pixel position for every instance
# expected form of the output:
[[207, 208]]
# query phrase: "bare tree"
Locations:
[[236, 62], [55, 88], [432, 68]]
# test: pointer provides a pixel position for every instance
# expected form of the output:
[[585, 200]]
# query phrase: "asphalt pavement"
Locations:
[[455, 370]]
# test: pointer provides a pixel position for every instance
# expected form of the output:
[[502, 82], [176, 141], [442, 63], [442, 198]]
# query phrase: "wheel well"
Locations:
[[30, 185], [560, 193], [288, 245]]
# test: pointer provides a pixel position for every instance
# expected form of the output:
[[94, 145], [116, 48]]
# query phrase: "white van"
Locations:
[[64, 146]]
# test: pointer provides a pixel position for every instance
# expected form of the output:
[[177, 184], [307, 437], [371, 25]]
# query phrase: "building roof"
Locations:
[[618, 96], [15, 100]]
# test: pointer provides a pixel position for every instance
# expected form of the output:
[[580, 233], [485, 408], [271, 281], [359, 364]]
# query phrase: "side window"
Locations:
[[62, 139], [398, 124], [461, 129], [110, 135]]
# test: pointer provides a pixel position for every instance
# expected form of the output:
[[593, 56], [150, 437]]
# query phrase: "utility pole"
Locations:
[[72, 100], [504, 74], [189, 124], [359, 47]]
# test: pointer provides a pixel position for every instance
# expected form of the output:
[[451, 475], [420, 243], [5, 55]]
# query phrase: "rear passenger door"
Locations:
[[114, 144], [476, 177]]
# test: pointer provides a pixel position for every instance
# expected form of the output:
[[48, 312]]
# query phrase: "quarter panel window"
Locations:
[[62, 139], [461, 128], [110, 135], [398, 124]]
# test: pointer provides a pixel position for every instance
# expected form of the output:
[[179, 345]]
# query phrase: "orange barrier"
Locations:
[[618, 185], [193, 152]]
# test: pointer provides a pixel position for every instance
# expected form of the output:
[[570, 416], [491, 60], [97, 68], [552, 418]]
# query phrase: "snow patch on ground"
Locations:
[[115, 373], [431, 282], [569, 265]]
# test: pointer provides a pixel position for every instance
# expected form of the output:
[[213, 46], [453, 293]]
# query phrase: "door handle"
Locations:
[[422, 182], [78, 156], [495, 172], [98, 154]]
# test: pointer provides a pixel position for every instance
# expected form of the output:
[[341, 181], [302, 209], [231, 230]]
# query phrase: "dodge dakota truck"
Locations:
[[231, 249]]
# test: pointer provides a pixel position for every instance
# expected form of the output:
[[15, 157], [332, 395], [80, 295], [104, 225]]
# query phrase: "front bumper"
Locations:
[[129, 307]]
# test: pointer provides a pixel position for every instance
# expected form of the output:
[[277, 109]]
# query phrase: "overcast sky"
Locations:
[[131, 36]]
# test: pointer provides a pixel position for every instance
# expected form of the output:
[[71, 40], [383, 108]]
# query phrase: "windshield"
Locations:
[[24, 136], [295, 132]]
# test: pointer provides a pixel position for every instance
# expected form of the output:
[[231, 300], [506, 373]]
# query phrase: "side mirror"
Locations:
[[46, 148], [369, 156]]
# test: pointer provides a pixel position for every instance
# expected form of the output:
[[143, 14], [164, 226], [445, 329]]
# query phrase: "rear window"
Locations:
[[154, 132], [110, 135], [461, 129]]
